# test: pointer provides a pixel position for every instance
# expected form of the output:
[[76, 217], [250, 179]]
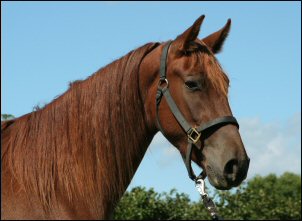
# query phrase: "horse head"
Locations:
[[198, 87]]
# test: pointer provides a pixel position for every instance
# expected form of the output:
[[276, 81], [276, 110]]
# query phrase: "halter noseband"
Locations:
[[193, 133]]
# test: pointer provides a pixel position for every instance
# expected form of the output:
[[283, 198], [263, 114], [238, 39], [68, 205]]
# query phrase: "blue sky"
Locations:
[[45, 45]]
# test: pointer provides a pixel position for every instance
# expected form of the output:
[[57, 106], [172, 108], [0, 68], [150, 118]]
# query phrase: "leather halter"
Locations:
[[193, 133]]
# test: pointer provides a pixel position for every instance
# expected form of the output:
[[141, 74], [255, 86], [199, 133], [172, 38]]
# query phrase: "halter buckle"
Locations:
[[194, 135]]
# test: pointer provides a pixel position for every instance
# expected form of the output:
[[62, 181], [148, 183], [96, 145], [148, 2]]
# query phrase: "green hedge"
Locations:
[[268, 197]]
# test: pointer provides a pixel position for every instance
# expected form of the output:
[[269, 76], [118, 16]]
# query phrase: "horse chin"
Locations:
[[219, 185], [217, 181]]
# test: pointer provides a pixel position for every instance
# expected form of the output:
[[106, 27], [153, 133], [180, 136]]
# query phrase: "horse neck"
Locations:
[[108, 131], [87, 143]]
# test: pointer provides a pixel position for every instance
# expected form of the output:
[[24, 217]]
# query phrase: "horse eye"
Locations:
[[192, 85]]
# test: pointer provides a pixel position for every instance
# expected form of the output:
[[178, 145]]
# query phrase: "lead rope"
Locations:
[[207, 202]]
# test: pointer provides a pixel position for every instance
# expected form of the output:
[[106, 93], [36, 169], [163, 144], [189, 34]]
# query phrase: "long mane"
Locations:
[[88, 133]]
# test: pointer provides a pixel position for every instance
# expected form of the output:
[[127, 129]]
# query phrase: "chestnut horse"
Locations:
[[75, 157]]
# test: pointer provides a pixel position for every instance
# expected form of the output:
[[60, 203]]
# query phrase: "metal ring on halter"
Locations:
[[161, 81]]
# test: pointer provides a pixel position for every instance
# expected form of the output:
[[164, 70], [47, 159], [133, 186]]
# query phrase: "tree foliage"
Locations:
[[268, 197], [7, 116]]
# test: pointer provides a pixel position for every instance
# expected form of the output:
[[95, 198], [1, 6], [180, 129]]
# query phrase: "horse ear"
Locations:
[[183, 41], [216, 40]]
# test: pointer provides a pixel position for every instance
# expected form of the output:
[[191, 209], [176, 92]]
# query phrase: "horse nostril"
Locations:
[[231, 169]]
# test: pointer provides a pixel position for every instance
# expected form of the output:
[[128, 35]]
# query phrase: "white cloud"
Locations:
[[274, 147], [162, 152]]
